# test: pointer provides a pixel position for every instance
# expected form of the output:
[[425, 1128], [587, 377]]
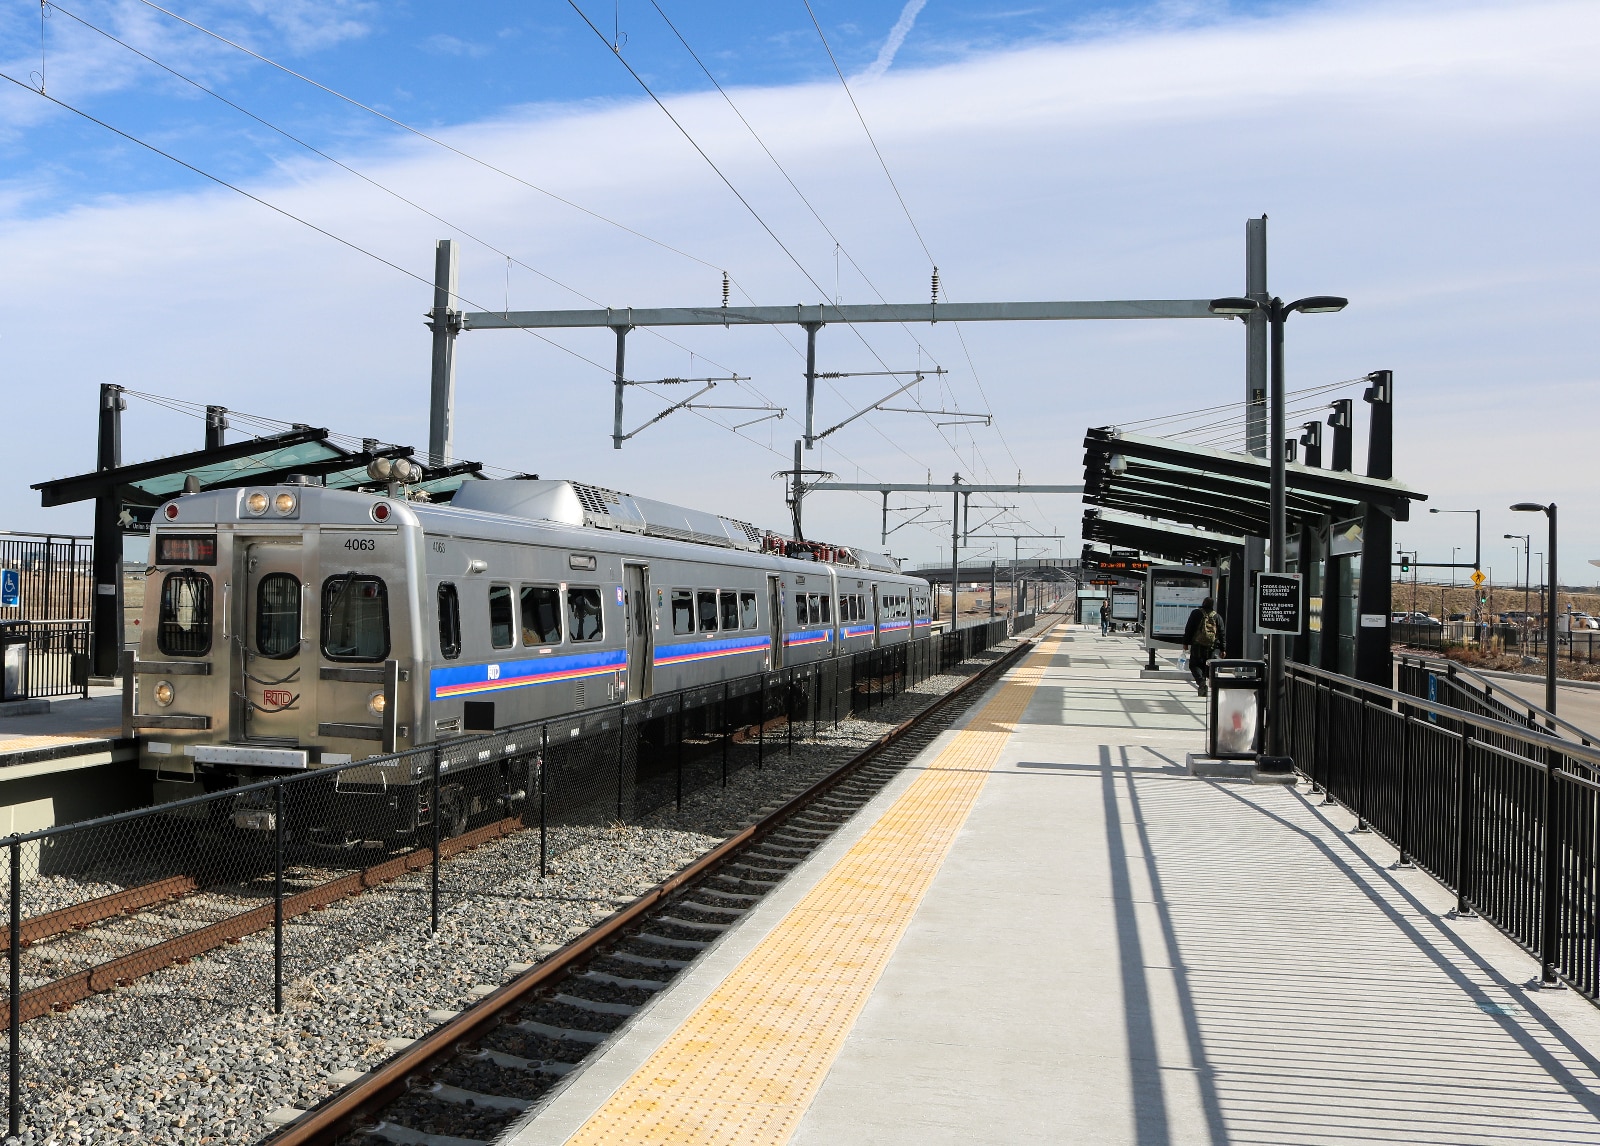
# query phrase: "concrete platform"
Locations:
[[1103, 950]]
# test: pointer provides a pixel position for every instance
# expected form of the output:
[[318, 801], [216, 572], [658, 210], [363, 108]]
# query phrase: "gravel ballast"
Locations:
[[194, 1053]]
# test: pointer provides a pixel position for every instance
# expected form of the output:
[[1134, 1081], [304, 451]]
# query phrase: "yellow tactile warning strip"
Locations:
[[745, 1065], [25, 743]]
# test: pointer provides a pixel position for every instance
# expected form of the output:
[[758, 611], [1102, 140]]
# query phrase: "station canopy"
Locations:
[[332, 460], [1188, 502]]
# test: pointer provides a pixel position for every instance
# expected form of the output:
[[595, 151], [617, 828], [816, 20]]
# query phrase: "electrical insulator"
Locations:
[[724, 289], [935, 284]]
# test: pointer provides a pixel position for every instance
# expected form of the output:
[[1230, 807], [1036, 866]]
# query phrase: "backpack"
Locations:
[[1205, 635]]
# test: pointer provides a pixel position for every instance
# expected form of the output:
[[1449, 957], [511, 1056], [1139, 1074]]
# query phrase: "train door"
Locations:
[[775, 618], [877, 620], [274, 660], [636, 588]]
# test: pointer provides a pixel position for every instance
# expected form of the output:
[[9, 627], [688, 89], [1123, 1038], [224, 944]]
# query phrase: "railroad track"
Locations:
[[468, 1079]]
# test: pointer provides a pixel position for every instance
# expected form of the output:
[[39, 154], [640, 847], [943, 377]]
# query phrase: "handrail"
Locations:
[[1505, 695], [1585, 752]]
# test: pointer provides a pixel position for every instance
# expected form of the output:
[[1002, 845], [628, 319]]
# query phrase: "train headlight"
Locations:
[[163, 693], [255, 504], [376, 703], [285, 504]]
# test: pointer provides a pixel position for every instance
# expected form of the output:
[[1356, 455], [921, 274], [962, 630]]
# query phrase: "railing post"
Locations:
[[1463, 822], [277, 899], [1318, 756], [1361, 768], [1404, 862], [544, 798], [433, 878], [15, 991], [1550, 930]]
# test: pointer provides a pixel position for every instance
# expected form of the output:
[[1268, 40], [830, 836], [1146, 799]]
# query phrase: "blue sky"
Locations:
[[1434, 161]]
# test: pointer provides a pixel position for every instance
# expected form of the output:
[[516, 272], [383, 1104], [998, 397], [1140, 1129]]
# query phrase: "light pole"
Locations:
[[1550, 614], [1277, 312], [1526, 541]]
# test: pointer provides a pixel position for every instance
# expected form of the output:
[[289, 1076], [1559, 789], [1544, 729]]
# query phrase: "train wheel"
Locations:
[[452, 815]]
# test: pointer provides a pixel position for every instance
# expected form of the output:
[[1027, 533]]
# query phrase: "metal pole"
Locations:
[[277, 899], [761, 724], [727, 733], [797, 493], [620, 383], [955, 553], [622, 724], [883, 530], [15, 1102], [433, 879], [1550, 623], [1463, 822], [679, 755], [1277, 528], [445, 322], [811, 386], [993, 573], [1255, 396]]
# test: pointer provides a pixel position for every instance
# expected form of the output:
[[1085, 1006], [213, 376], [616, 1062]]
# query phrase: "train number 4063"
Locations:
[[361, 543]]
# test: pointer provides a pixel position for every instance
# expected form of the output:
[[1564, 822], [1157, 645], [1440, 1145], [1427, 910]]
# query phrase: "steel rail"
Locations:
[[99, 909], [355, 1104]]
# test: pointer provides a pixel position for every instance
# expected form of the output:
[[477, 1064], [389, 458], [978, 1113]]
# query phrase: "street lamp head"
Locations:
[[1528, 507], [1234, 306], [1319, 304], [1433, 511]]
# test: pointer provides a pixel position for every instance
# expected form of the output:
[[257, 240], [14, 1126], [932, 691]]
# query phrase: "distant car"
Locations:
[[1584, 621], [1458, 616]]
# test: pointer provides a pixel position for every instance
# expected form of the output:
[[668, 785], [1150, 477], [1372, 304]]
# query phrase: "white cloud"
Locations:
[[1434, 163]]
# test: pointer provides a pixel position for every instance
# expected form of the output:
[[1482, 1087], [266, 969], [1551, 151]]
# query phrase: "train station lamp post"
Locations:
[[1477, 542], [1549, 614], [1526, 541], [1277, 312]]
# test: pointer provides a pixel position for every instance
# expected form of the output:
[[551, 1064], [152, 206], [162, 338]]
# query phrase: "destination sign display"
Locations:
[[1122, 565]]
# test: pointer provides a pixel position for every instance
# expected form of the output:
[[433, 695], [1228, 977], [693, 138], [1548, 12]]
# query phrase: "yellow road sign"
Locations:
[[1477, 577]]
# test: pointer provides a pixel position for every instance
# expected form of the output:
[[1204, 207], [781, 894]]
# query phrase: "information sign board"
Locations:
[[1125, 604], [1172, 592], [10, 588], [1278, 604]]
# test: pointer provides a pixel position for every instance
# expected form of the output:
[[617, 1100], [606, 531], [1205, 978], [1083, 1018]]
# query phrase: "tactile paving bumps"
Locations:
[[745, 1065]]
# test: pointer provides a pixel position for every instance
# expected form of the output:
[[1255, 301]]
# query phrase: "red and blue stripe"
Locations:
[[808, 637], [695, 651], [473, 680]]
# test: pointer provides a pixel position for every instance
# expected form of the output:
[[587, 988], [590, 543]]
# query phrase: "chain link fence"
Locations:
[[253, 877]]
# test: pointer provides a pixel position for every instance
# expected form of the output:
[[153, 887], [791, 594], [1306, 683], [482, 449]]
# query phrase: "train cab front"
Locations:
[[273, 642]]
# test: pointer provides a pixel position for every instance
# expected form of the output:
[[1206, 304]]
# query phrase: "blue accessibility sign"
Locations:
[[10, 588]]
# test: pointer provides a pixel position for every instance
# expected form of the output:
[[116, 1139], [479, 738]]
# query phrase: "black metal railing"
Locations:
[[232, 871], [1447, 682], [1503, 814], [44, 659], [54, 576]]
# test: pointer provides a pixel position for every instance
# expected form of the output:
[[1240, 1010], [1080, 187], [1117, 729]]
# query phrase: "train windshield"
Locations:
[[184, 626], [355, 618], [278, 615]]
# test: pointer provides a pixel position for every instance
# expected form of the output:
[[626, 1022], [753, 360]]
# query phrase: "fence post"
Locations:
[[544, 797], [277, 899], [622, 741], [727, 733], [679, 755], [788, 713], [1463, 834], [1404, 861], [1550, 891], [814, 698], [433, 879], [761, 723], [1361, 769], [15, 990]]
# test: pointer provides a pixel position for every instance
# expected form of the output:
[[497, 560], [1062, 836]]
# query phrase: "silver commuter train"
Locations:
[[289, 627]]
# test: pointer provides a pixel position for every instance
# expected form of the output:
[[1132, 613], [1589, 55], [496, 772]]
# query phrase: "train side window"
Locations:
[[355, 618], [749, 612], [541, 615], [813, 609], [707, 604], [800, 610], [278, 615], [583, 614], [729, 603], [500, 621], [183, 628], [449, 621], [682, 612], [827, 609]]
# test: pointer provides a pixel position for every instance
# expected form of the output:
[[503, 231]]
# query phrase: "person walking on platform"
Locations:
[[1105, 622], [1202, 636]]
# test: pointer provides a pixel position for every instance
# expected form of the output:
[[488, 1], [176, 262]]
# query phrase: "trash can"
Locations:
[[1238, 692], [14, 661]]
